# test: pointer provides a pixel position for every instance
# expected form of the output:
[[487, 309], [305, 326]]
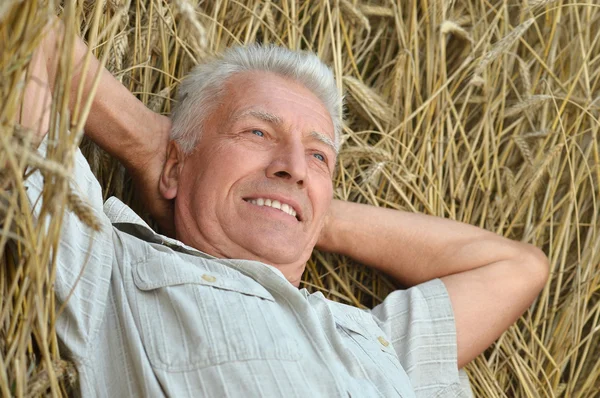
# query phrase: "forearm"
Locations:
[[412, 248], [490, 280], [118, 122], [36, 102]]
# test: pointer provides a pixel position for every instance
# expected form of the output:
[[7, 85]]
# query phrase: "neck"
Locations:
[[202, 242]]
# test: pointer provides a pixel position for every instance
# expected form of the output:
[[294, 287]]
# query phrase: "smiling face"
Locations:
[[259, 183]]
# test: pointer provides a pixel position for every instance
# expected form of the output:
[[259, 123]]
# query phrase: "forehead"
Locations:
[[274, 97]]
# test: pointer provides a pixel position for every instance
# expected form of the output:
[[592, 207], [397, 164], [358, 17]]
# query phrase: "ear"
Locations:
[[169, 179]]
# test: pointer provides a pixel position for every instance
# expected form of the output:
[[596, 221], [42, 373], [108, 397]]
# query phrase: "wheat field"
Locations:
[[481, 111]]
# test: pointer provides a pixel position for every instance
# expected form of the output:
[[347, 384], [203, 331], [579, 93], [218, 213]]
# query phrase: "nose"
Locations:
[[289, 164]]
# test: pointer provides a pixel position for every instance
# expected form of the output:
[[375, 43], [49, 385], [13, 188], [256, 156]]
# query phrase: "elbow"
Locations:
[[535, 265]]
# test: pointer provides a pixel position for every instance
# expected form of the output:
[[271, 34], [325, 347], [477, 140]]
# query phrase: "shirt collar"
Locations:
[[125, 219]]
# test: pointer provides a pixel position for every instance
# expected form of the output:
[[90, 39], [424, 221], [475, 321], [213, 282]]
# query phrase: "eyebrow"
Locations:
[[262, 115], [326, 140], [271, 118]]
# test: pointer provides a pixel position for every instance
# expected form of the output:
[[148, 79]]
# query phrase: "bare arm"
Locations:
[[85, 250], [118, 122], [37, 98], [488, 277]]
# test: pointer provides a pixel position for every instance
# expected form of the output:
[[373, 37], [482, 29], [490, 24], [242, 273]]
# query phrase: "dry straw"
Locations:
[[516, 152]]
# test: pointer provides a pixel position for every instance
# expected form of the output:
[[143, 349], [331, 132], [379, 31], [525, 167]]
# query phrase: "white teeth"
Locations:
[[288, 209], [274, 204]]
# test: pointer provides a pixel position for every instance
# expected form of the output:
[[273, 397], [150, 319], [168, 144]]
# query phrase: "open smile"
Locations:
[[274, 204]]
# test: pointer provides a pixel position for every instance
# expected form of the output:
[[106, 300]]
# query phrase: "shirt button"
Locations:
[[209, 278], [383, 341]]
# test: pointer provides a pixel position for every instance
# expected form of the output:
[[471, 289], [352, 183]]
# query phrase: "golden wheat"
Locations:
[[484, 111]]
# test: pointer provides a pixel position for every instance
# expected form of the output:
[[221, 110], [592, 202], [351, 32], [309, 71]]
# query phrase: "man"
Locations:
[[217, 311]]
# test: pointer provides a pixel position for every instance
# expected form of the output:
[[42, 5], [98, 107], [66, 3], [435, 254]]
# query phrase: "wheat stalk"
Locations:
[[448, 114]]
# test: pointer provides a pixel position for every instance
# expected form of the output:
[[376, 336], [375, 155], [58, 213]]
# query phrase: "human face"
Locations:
[[269, 139]]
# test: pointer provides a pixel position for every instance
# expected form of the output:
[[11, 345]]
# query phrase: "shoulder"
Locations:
[[420, 322]]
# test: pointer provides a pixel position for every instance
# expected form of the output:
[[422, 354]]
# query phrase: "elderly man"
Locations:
[[217, 310]]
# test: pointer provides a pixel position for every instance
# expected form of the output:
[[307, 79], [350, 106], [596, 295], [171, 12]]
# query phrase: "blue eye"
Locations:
[[258, 133], [319, 156]]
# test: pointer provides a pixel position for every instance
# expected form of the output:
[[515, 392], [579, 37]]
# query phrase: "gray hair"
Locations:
[[199, 92]]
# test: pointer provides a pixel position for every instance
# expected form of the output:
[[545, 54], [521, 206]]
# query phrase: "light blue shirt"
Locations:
[[149, 316]]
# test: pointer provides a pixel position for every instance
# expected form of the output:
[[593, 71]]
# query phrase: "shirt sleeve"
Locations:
[[84, 258], [420, 323]]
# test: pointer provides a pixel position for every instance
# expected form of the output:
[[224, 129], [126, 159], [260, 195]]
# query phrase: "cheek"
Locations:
[[212, 177], [322, 197], [212, 168], [201, 181]]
